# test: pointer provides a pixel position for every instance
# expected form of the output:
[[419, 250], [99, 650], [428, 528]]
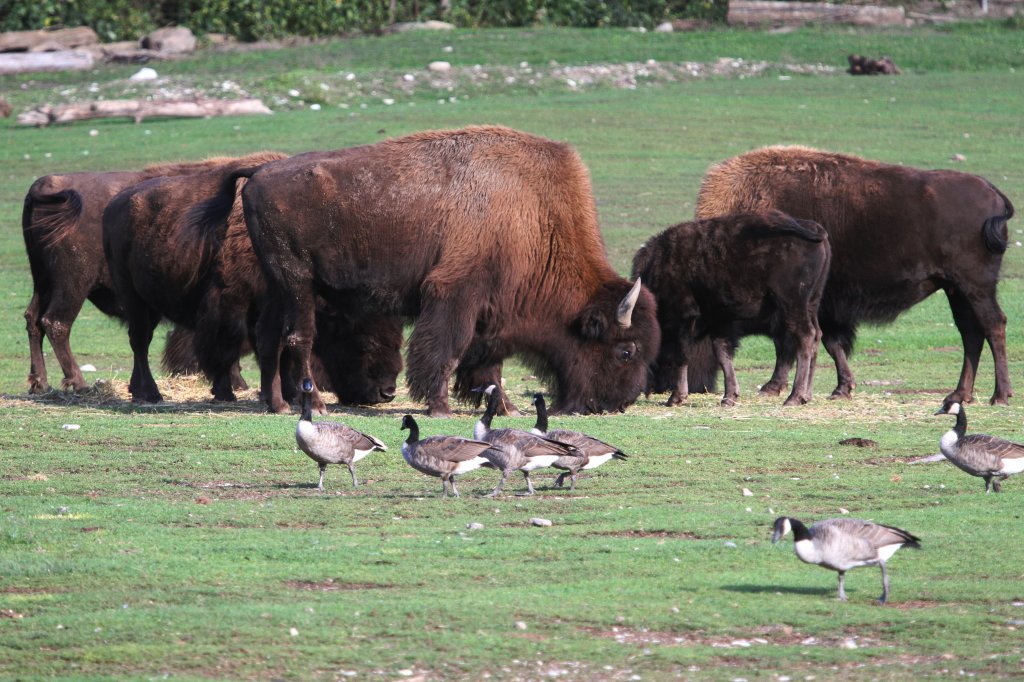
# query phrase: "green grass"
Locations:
[[186, 540]]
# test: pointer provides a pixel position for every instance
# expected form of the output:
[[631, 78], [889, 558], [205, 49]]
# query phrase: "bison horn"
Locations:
[[625, 313]]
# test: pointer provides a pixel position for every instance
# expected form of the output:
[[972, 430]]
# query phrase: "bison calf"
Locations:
[[734, 274]]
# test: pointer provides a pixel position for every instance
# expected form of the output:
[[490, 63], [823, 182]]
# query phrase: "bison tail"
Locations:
[[179, 355], [702, 367], [994, 230], [53, 216], [205, 223], [779, 224]]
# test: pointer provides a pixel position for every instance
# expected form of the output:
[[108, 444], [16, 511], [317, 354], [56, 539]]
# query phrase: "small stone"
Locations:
[[747, 493], [314, 107], [293, 93], [293, 632], [475, 526], [71, 427], [730, 544], [93, 132], [439, 66], [849, 644], [844, 511], [958, 157], [664, 27], [520, 625], [144, 74], [88, 368], [537, 521]]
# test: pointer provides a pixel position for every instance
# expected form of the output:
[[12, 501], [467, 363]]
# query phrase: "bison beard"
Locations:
[[486, 235], [898, 234]]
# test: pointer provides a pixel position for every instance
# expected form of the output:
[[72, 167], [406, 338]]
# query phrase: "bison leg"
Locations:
[[780, 375], [470, 379], [723, 352], [681, 390], [807, 352], [37, 382], [270, 346], [836, 349], [443, 333], [141, 324], [56, 321], [979, 318]]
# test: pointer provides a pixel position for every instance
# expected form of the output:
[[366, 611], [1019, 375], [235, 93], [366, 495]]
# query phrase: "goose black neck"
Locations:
[[307, 406], [414, 431], [960, 428], [492, 408], [542, 414], [800, 531]]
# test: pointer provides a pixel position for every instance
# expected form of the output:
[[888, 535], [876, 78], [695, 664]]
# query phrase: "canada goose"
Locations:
[[514, 449], [992, 458], [842, 544], [442, 456], [594, 452], [330, 442]]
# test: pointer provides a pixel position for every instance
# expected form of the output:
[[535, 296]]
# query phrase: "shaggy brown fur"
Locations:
[[898, 234], [747, 271], [487, 236], [63, 232]]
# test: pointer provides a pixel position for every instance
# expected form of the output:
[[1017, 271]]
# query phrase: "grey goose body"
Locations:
[[328, 442], [989, 457], [442, 456], [593, 452], [843, 544], [515, 449]]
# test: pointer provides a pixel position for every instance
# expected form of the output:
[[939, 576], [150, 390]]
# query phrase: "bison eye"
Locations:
[[626, 351]]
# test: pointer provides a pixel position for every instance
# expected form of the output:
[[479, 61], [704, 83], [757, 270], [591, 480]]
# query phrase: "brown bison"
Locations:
[[211, 282], [486, 235], [898, 234], [712, 278], [63, 232]]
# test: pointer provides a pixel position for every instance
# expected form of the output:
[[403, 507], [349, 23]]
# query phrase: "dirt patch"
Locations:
[[334, 585], [768, 635], [667, 534]]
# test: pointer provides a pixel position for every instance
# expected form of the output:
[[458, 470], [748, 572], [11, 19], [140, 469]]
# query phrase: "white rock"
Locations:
[[439, 66], [71, 427], [537, 521], [88, 368], [747, 493], [144, 74], [958, 157], [448, 49], [388, 101], [475, 526], [293, 93], [408, 78], [93, 132], [844, 511], [520, 625], [730, 544], [293, 632], [664, 27], [314, 107], [849, 644]]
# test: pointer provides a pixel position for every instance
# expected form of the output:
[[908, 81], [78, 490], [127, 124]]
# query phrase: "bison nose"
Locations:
[[388, 394]]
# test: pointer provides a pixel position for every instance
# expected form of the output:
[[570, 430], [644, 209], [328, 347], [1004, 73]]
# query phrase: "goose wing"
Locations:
[[588, 445], [859, 540], [453, 448], [985, 454], [342, 433], [529, 444]]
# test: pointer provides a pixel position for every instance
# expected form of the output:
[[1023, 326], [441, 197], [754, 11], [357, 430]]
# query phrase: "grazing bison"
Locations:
[[211, 284], [486, 235], [63, 232], [747, 271], [898, 234]]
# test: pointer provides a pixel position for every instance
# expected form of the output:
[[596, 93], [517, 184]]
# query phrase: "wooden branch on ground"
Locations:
[[63, 60], [756, 12], [35, 41], [141, 109]]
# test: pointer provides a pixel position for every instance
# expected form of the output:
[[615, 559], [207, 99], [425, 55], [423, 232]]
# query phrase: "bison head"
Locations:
[[603, 366], [359, 360]]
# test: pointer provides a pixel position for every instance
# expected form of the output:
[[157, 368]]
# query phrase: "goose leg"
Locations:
[[501, 483], [997, 485], [320, 485], [529, 484], [885, 585], [842, 592], [561, 479], [988, 484], [352, 470], [451, 482], [444, 487], [572, 480]]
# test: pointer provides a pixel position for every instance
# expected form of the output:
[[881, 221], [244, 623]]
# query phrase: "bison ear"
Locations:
[[593, 324]]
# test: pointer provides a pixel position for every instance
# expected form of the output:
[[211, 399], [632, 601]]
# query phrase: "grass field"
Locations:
[[187, 541]]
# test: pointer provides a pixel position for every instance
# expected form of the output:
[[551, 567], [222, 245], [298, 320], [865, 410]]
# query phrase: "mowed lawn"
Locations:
[[188, 541]]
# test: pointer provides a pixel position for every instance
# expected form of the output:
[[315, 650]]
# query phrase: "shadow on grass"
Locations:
[[783, 589]]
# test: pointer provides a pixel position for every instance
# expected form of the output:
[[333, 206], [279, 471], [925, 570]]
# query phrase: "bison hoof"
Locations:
[[150, 398], [37, 387], [771, 389], [675, 400], [999, 400], [795, 400], [728, 402], [841, 393], [280, 407], [224, 397]]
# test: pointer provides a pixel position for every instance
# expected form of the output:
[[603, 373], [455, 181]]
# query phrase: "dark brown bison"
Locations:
[[712, 278], [210, 282], [898, 234], [63, 232], [487, 236]]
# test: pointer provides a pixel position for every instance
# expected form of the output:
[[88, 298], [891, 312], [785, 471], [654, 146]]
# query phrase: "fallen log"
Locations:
[[34, 41], [759, 12], [138, 110], [64, 60]]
